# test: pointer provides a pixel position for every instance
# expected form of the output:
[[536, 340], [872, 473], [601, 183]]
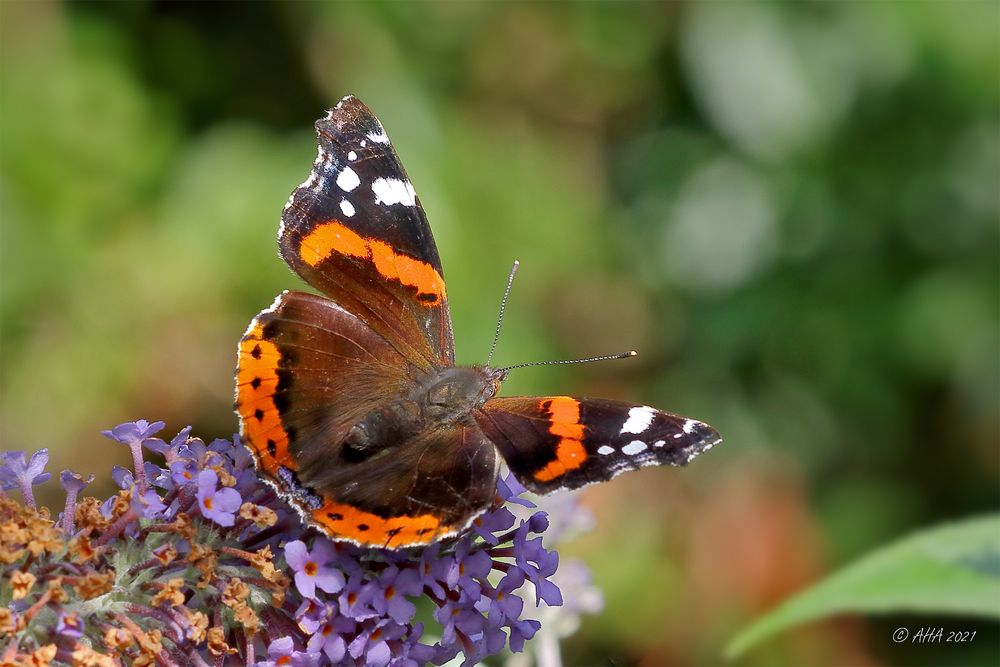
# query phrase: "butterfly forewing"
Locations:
[[355, 230], [560, 442]]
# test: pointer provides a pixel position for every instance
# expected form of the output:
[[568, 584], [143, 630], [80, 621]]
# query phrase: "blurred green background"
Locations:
[[790, 210]]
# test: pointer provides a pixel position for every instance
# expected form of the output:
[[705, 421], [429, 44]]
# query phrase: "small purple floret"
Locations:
[[373, 643], [393, 586], [73, 483], [123, 477], [282, 652], [8, 479], [69, 625], [510, 490], [521, 631], [218, 505], [183, 471], [25, 474], [310, 567], [327, 629], [133, 434], [355, 599]]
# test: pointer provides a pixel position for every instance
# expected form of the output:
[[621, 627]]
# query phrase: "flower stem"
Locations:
[[116, 529], [139, 465], [29, 496]]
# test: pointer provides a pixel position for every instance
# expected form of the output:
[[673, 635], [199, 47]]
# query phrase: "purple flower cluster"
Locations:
[[358, 603], [216, 553]]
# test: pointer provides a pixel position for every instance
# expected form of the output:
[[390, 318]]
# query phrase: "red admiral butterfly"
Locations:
[[351, 402]]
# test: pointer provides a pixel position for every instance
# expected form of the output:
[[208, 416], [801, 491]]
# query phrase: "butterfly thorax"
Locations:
[[453, 392], [439, 399]]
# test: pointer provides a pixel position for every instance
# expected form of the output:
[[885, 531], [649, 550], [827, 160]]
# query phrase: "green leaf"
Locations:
[[950, 569]]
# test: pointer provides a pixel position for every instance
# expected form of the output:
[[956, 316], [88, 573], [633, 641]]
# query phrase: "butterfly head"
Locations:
[[495, 378], [461, 389]]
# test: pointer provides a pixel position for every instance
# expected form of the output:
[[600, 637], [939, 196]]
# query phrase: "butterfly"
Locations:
[[350, 401]]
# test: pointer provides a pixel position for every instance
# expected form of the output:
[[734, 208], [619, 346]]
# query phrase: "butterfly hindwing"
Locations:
[[355, 230], [560, 442], [308, 373], [431, 486]]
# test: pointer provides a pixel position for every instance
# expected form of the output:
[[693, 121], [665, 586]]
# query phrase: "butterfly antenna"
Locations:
[[607, 357], [503, 306]]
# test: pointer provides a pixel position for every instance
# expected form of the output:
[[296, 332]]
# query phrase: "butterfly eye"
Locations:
[[492, 389]]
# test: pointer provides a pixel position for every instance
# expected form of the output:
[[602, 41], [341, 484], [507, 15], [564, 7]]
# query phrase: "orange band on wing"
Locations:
[[367, 528], [333, 237], [564, 415], [256, 383]]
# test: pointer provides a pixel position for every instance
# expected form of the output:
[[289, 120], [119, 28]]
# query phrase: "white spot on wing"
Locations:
[[380, 137], [634, 447], [689, 425], [638, 420], [347, 207], [352, 156], [604, 450], [659, 443], [393, 191], [347, 180]]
